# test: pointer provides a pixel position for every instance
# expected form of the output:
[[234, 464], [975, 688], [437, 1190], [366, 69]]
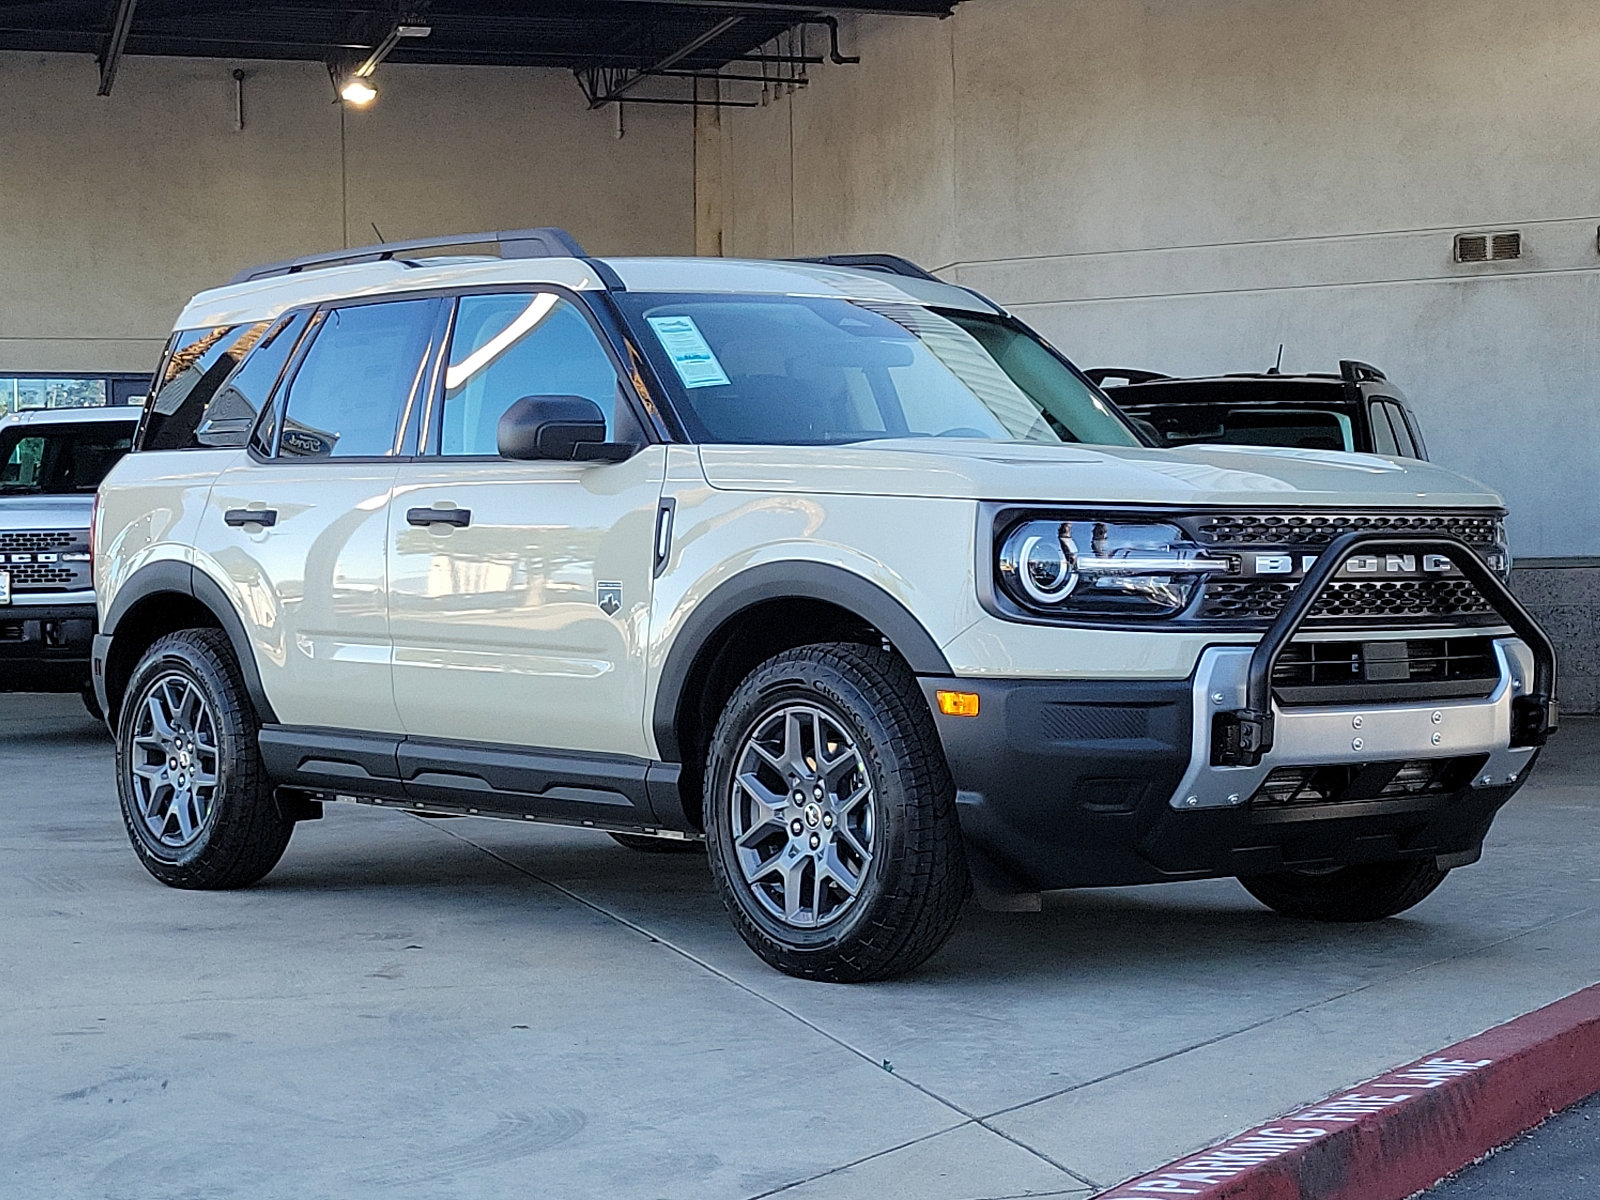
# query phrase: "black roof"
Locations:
[[574, 34]]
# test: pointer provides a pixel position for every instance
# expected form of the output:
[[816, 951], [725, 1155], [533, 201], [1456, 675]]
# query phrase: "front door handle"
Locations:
[[266, 517], [458, 517]]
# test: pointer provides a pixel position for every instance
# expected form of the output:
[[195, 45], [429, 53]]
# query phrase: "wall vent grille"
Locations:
[[1488, 247]]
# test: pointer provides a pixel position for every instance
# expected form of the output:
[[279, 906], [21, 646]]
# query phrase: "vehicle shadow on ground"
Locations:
[[1207, 931], [58, 734]]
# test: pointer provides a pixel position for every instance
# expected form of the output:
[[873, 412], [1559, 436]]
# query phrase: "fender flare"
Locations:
[[185, 580], [785, 581]]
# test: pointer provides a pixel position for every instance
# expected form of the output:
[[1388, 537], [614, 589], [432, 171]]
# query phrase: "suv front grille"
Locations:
[[1429, 599], [1318, 529], [38, 560], [1435, 599], [1374, 672], [37, 541]]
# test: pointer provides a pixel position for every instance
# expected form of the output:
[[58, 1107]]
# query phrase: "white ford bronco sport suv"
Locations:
[[832, 565]]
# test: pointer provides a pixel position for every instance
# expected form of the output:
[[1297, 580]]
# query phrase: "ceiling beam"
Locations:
[[618, 90], [111, 56]]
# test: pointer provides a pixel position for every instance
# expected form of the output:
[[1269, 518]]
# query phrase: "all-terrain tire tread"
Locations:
[[250, 833], [931, 885]]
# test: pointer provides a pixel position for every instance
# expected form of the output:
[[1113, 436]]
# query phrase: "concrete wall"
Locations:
[[1183, 186], [114, 210]]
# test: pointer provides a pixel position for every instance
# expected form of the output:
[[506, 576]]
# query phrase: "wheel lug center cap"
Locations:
[[813, 814]]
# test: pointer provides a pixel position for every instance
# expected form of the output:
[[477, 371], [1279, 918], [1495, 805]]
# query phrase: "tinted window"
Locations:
[[1397, 423], [1383, 441], [198, 362], [1307, 428], [62, 459], [814, 371], [354, 386], [231, 413], [507, 347]]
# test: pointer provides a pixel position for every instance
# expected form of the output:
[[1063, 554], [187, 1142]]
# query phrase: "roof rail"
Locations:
[[1352, 371], [547, 242], [1098, 375], [886, 264]]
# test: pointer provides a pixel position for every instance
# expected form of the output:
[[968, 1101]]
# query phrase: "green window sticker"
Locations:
[[681, 338]]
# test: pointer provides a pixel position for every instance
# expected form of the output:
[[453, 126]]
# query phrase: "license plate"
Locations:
[[5, 587]]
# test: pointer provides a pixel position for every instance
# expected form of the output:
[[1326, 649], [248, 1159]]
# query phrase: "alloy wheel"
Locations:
[[804, 818], [174, 765]]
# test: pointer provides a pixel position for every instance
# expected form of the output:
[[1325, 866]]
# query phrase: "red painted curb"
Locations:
[[1392, 1136]]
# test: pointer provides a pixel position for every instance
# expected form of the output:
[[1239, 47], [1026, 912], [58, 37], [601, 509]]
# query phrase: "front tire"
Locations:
[[1369, 892], [831, 818], [195, 797]]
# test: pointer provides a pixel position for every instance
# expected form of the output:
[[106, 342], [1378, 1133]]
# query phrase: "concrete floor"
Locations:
[[411, 1008]]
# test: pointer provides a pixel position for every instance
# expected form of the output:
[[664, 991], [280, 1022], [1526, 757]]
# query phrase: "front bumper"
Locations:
[[45, 648], [1087, 783], [1091, 784]]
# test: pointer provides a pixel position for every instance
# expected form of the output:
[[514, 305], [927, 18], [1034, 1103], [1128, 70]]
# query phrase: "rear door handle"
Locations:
[[459, 517], [236, 517]]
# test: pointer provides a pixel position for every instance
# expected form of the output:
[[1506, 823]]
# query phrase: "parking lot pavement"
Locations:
[[441, 1008], [1560, 1160]]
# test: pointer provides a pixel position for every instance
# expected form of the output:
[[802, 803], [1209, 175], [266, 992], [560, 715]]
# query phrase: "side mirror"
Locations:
[[559, 428]]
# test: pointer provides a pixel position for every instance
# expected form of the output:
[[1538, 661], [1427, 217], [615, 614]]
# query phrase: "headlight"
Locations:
[[1102, 567], [1499, 558]]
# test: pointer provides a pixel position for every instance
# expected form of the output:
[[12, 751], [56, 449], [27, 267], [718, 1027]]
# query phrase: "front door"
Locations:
[[520, 591]]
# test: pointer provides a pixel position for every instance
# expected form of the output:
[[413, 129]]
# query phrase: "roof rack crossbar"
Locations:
[[547, 242], [887, 264]]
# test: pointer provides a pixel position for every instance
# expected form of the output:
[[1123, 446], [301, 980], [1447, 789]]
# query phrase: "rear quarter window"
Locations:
[[213, 383]]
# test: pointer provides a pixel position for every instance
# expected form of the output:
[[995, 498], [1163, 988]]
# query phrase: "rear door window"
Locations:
[[356, 385]]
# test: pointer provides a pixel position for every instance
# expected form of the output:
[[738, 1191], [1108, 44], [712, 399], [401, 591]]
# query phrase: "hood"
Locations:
[[45, 512], [1027, 473]]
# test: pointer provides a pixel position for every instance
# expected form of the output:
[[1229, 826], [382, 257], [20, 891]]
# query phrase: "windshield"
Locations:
[[61, 460], [794, 371]]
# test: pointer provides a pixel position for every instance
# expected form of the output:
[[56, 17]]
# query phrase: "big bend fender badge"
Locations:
[[609, 597]]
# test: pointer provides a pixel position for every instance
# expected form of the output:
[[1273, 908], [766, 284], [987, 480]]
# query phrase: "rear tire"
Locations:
[[831, 818], [1369, 892], [656, 845], [195, 797]]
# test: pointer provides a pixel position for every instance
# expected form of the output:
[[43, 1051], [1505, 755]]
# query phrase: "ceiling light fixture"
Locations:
[[355, 85], [358, 92]]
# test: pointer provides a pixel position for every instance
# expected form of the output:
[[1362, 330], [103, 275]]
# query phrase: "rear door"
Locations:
[[297, 526], [520, 591]]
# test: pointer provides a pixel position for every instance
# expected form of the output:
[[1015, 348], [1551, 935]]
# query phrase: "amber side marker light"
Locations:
[[958, 704]]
